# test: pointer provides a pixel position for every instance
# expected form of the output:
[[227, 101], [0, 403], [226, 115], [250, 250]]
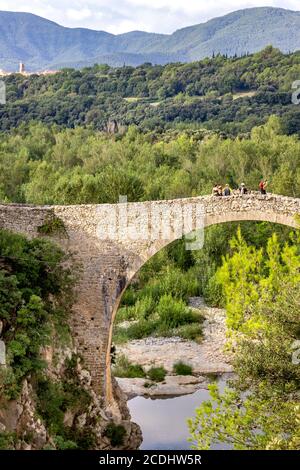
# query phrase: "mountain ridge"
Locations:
[[44, 44]]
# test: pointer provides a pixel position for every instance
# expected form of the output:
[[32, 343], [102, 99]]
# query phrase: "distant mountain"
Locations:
[[43, 44]]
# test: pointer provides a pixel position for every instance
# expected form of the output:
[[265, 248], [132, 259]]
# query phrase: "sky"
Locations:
[[119, 16]]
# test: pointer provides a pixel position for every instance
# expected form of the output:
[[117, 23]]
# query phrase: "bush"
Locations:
[[138, 330], [129, 297], [115, 433], [54, 399], [141, 309], [180, 368], [7, 441], [213, 293], [53, 226], [62, 444], [171, 281], [192, 332], [157, 374], [124, 368], [173, 313]]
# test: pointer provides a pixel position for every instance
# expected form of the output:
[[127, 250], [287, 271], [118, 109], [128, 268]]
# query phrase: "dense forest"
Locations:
[[47, 165], [227, 94]]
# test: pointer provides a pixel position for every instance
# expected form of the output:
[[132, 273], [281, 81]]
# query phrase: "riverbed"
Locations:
[[162, 409]]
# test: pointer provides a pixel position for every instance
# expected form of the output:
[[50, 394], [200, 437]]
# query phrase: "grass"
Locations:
[[125, 369], [180, 368]]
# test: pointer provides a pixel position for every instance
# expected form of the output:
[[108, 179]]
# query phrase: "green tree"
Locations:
[[261, 409]]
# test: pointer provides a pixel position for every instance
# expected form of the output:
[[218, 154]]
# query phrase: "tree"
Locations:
[[262, 290]]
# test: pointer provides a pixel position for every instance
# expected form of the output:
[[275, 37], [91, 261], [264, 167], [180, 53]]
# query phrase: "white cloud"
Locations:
[[118, 16], [78, 15]]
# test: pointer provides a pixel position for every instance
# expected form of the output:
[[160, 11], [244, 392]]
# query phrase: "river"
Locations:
[[163, 420]]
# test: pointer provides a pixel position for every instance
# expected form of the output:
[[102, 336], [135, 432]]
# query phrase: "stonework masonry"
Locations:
[[103, 241]]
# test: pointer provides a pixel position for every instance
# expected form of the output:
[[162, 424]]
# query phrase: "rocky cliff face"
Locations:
[[25, 423]]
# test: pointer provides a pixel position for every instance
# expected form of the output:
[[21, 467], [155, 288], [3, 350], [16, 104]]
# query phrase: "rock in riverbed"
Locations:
[[173, 385]]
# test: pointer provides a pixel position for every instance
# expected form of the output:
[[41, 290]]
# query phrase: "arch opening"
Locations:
[[269, 222]]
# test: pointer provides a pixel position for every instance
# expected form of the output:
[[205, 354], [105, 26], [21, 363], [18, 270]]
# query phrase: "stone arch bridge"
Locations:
[[112, 241]]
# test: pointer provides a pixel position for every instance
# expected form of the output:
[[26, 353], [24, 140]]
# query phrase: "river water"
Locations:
[[163, 421]]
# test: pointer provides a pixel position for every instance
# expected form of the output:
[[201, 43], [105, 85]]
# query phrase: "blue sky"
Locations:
[[118, 16]]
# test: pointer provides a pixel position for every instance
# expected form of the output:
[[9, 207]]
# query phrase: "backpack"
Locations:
[[261, 185]]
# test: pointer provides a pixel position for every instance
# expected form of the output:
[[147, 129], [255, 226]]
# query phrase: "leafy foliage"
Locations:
[[180, 368], [124, 368], [157, 374], [262, 300], [35, 298], [230, 94], [116, 434], [52, 226]]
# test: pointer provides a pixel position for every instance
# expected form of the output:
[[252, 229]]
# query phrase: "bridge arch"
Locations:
[[112, 242]]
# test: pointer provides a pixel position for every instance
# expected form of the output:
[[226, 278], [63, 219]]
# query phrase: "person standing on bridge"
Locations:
[[263, 186], [227, 190], [243, 189], [216, 191]]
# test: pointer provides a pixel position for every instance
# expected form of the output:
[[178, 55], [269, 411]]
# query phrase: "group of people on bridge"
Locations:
[[219, 190]]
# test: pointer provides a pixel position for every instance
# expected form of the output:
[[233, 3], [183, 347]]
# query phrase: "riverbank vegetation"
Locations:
[[36, 296], [261, 288], [35, 301]]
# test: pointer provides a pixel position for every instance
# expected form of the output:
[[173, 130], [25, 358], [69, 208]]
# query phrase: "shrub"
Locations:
[[124, 368], [213, 293], [7, 440], [138, 330], [157, 374], [50, 405], [173, 313], [142, 309], [180, 368], [129, 297], [120, 335], [54, 399], [35, 297], [192, 332], [125, 314], [62, 444], [53, 226], [115, 433], [171, 281]]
